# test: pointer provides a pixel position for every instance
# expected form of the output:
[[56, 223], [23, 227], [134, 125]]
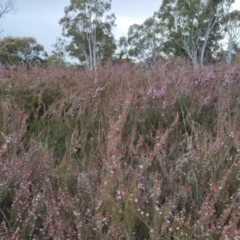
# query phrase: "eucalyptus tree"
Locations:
[[231, 27], [89, 29], [145, 40], [193, 25], [123, 48], [26, 50]]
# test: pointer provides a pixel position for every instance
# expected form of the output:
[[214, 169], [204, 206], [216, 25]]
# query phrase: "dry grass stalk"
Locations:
[[159, 148], [110, 178], [114, 137]]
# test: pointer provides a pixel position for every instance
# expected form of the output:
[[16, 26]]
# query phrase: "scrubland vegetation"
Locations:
[[143, 154]]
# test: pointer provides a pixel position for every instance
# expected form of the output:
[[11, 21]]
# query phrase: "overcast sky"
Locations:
[[39, 18]]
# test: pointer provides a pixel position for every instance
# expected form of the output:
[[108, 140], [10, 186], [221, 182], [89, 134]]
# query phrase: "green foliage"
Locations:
[[230, 25], [233, 181], [50, 94], [26, 98], [148, 121], [219, 207], [90, 29], [144, 41], [53, 134], [56, 59], [193, 28], [141, 230], [14, 50], [69, 181], [6, 200], [129, 217]]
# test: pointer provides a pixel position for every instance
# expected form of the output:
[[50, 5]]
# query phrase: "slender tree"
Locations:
[[90, 30], [231, 27], [193, 25], [58, 55]]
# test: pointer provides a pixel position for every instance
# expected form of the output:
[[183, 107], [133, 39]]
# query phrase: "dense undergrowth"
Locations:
[[142, 154]]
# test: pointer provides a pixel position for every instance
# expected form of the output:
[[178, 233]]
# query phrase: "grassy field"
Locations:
[[143, 154]]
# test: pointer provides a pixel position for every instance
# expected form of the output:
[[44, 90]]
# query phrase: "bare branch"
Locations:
[[6, 7]]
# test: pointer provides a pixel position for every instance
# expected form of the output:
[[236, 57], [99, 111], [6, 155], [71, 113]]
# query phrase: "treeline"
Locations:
[[202, 32]]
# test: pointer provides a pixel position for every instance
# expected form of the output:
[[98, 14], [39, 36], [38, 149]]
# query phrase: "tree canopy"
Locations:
[[230, 24], [197, 30], [89, 29], [15, 50], [193, 29], [145, 40], [194, 25]]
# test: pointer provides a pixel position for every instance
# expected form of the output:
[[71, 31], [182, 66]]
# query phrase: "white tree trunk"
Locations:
[[230, 50], [208, 30]]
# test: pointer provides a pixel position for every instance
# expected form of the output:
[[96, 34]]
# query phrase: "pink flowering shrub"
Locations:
[[141, 154]]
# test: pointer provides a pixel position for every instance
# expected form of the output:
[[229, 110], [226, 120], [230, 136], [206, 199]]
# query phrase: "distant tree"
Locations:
[[193, 26], [145, 40], [60, 47], [58, 56], [15, 50], [231, 28], [56, 59], [123, 48], [90, 31]]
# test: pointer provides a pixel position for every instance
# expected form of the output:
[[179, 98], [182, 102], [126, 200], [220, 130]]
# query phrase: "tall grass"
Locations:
[[142, 154]]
